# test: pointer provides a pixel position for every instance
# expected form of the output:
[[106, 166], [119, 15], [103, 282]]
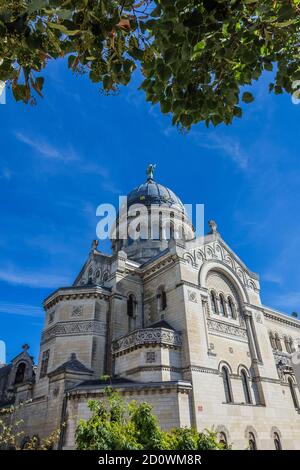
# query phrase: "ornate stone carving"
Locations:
[[226, 329], [150, 356], [84, 327], [77, 311], [192, 296], [161, 336], [217, 251]]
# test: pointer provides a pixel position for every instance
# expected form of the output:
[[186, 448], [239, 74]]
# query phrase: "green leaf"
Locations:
[[247, 97]]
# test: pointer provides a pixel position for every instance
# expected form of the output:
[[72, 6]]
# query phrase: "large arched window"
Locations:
[[227, 385], [293, 393], [278, 342], [214, 303], [246, 388], [231, 308], [277, 442], [20, 374], [223, 310], [252, 441]]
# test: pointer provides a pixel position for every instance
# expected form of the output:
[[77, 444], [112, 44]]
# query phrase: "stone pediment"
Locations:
[[95, 271], [208, 249]]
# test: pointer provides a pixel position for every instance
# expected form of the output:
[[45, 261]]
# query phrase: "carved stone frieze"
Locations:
[[83, 327], [226, 329], [147, 336]]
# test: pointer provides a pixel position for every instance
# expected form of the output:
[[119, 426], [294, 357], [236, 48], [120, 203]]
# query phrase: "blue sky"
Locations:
[[78, 148]]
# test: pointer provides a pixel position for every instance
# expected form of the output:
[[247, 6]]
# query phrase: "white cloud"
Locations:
[[226, 145], [36, 279], [47, 150], [21, 309]]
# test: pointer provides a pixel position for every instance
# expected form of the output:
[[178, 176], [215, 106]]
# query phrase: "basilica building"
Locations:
[[174, 321]]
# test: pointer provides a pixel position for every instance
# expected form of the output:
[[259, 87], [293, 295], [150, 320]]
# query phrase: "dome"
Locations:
[[150, 192]]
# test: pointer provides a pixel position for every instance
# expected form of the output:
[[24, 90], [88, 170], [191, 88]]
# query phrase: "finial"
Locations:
[[95, 244], [213, 227], [73, 356], [25, 347], [150, 171]]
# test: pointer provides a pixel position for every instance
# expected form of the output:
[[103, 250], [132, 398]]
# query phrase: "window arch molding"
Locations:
[[222, 305], [293, 393], [221, 429], [276, 434], [249, 433], [244, 374], [21, 372], [231, 307], [228, 273], [161, 295], [214, 302], [225, 372], [272, 339], [278, 342]]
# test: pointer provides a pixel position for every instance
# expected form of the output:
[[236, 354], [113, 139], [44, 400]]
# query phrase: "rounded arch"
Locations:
[[221, 429], [250, 435], [276, 438], [274, 430], [219, 266], [226, 364], [20, 374], [244, 368]]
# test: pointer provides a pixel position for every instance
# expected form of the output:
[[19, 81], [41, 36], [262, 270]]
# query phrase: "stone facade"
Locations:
[[181, 327]]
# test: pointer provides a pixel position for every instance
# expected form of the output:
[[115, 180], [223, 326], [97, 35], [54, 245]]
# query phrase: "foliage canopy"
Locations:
[[194, 55], [115, 425]]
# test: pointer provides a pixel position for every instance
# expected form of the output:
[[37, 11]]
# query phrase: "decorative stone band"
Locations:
[[84, 327], [146, 337], [75, 293], [225, 329]]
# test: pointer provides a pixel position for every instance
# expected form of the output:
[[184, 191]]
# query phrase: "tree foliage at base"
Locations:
[[115, 425], [195, 55]]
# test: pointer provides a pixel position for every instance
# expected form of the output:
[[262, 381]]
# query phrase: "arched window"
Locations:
[[131, 304], [287, 345], [227, 385], [293, 393], [161, 299], [223, 440], [231, 308], [214, 303], [292, 347], [277, 442], [20, 374], [272, 340], [246, 388], [278, 342], [223, 310], [252, 441], [131, 311]]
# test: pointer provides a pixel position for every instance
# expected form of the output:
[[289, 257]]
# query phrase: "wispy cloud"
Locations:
[[6, 174], [35, 279], [21, 309], [44, 148], [226, 145], [287, 301], [68, 155]]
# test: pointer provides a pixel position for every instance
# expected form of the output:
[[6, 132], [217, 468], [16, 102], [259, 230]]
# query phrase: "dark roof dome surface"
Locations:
[[151, 192]]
